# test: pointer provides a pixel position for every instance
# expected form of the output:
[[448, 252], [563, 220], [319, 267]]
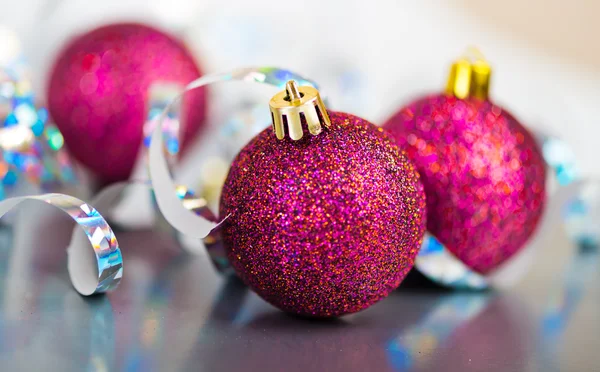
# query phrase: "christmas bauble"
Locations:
[[326, 224], [98, 93], [484, 175]]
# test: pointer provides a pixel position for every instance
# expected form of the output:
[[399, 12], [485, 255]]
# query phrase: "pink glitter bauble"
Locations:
[[327, 225], [98, 94], [483, 173]]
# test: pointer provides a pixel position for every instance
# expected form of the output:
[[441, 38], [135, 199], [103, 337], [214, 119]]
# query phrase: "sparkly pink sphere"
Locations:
[[483, 172], [98, 94], [327, 225]]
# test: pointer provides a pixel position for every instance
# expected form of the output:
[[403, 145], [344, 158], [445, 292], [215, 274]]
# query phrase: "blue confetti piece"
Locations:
[[23, 100], [431, 245], [172, 146], [10, 178], [9, 157], [11, 120], [38, 128], [42, 115]]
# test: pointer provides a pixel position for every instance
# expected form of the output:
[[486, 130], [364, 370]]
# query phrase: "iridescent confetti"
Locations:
[[31, 149], [582, 213], [31, 152]]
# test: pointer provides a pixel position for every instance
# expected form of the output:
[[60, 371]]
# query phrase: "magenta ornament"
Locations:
[[327, 225], [98, 94], [484, 176]]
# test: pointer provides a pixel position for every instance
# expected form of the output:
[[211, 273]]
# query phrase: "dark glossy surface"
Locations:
[[173, 312]]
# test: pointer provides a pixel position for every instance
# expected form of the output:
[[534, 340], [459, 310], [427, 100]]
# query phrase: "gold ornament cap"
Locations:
[[294, 103], [470, 76]]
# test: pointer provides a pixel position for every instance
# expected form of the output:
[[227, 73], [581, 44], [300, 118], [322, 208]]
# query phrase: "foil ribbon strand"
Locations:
[[182, 219], [94, 270]]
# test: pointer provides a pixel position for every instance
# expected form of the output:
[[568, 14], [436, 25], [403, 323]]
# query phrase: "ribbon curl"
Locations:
[[91, 271]]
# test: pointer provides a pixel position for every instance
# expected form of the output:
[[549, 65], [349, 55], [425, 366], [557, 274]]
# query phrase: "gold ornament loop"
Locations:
[[470, 76], [294, 103]]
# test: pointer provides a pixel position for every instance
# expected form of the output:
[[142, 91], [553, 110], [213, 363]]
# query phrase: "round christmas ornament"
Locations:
[[99, 89], [325, 214], [483, 172]]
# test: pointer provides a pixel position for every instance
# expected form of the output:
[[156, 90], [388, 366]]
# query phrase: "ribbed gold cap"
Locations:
[[470, 76], [294, 103]]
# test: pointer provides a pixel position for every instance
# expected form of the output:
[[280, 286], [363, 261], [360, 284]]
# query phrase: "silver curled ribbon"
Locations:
[[94, 269], [184, 219]]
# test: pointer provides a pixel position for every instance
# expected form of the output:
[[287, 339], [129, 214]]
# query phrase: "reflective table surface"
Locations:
[[173, 312]]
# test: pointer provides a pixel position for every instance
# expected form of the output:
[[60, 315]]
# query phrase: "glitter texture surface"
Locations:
[[327, 225], [99, 88], [483, 173]]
